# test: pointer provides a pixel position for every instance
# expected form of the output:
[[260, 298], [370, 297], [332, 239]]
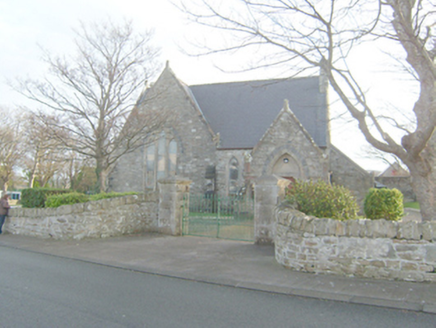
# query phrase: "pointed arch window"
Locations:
[[233, 176], [150, 166], [172, 158], [161, 160]]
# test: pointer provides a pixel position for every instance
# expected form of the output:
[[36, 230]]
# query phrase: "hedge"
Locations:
[[323, 200], [384, 204], [105, 195], [76, 197], [36, 197], [66, 199]]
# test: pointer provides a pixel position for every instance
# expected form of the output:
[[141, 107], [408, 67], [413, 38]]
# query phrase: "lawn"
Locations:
[[208, 214], [412, 205]]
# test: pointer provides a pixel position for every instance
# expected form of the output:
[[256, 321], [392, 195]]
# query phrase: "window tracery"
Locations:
[[161, 160], [233, 176]]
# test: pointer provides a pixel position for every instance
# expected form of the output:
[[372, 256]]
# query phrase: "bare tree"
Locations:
[[10, 147], [320, 34], [386, 158], [43, 155], [88, 97], [77, 173]]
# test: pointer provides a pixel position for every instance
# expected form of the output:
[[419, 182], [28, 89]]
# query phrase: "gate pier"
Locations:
[[172, 192]]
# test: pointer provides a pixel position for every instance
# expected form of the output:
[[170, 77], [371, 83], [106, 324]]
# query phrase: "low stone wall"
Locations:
[[364, 248], [96, 219]]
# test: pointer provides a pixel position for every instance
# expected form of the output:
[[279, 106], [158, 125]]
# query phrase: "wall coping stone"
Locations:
[[80, 207], [175, 180], [410, 230]]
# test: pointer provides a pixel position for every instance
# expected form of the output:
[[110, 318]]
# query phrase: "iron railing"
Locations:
[[216, 216]]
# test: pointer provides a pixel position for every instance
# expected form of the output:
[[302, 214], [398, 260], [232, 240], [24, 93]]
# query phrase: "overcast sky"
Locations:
[[27, 25]]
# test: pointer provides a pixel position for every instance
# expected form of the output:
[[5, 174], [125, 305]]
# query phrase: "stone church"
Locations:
[[223, 136]]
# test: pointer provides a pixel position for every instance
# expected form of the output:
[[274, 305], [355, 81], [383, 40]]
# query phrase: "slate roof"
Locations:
[[242, 111]]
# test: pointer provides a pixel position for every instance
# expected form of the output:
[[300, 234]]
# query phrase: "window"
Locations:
[[161, 157], [160, 161], [14, 195], [233, 175], [172, 158], [149, 177]]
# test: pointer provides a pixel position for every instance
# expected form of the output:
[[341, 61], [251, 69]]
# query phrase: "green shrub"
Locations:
[[36, 197], [46, 197], [414, 205], [323, 200], [75, 197], [105, 195], [66, 199], [384, 204]]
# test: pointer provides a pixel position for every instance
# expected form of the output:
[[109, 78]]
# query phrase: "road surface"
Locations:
[[38, 290]]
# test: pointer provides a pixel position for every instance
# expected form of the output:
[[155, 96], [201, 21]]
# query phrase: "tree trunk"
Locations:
[[98, 171], [34, 169], [5, 187], [103, 180], [102, 171], [423, 173], [32, 175], [425, 191]]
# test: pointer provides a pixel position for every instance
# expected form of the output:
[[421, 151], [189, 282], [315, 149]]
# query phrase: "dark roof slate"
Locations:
[[241, 112]]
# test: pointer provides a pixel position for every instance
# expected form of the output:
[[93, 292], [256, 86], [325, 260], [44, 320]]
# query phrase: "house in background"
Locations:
[[14, 196], [395, 176], [223, 136], [394, 170]]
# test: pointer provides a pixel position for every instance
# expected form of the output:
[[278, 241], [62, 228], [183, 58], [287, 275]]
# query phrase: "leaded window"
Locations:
[[150, 166], [172, 158], [161, 160], [233, 176]]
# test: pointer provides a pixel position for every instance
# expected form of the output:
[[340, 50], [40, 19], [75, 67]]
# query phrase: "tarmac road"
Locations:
[[230, 263], [40, 290]]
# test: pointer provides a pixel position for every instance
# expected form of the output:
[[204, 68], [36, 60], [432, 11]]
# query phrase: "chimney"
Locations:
[[323, 80]]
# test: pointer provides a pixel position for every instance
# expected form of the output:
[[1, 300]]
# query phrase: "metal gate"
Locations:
[[219, 217]]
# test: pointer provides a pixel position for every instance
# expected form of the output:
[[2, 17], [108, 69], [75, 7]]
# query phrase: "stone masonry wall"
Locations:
[[128, 174], [222, 169], [97, 219], [286, 135], [364, 248], [196, 149]]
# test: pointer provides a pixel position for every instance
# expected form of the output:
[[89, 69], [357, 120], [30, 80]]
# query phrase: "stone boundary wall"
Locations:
[[365, 248], [96, 219]]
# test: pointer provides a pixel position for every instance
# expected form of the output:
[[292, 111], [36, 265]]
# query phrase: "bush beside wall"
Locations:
[[322, 199], [36, 197], [76, 197], [66, 199], [384, 204]]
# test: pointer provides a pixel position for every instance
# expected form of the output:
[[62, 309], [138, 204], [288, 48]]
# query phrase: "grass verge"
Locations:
[[412, 205]]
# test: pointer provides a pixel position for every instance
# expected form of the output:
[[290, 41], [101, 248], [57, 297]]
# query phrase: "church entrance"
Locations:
[[215, 216]]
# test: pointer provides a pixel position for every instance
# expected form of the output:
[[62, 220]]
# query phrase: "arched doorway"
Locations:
[[287, 167]]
